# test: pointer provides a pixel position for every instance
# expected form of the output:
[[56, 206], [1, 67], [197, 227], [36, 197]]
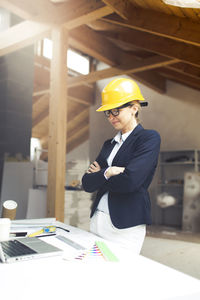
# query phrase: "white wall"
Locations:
[[175, 115]]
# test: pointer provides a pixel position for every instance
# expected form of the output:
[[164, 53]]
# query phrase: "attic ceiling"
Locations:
[[145, 39]]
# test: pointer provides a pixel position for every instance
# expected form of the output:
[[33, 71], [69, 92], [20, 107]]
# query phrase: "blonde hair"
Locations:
[[137, 104]]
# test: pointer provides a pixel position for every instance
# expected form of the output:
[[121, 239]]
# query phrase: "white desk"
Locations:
[[134, 277]]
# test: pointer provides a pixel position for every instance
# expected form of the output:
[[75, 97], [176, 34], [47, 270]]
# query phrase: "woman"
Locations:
[[123, 170]]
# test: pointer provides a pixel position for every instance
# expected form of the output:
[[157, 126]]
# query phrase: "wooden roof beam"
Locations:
[[186, 69], [180, 78], [94, 44], [131, 67], [24, 9], [22, 35], [70, 98], [79, 118], [27, 32], [88, 15], [73, 13], [151, 79], [78, 133], [81, 136], [156, 44], [40, 117], [78, 141], [120, 7], [102, 49], [173, 27]]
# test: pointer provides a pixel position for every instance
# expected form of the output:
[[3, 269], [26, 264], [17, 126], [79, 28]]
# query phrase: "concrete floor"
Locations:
[[182, 255]]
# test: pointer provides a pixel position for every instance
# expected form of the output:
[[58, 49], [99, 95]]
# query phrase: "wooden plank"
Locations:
[[88, 17], [74, 127], [41, 77], [77, 134], [183, 79], [23, 9], [188, 70], [94, 44], [42, 72], [161, 24], [70, 98], [120, 7], [40, 117], [132, 67], [97, 46], [151, 79], [77, 142], [41, 129], [40, 98], [22, 35], [57, 126], [41, 105], [80, 138], [41, 93], [73, 14], [160, 45], [49, 12], [80, 117]]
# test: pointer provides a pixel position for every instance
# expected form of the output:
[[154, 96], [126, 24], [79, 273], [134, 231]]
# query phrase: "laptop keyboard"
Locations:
[[15, 248]]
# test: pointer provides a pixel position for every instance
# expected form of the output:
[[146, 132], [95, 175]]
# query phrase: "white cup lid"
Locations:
[[10, 204]]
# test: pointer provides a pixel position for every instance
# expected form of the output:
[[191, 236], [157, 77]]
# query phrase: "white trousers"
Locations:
[[129, 238]]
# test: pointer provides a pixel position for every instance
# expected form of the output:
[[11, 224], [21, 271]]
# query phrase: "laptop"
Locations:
[[25, 249]]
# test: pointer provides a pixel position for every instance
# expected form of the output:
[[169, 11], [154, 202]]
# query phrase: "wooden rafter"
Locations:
[[154, 80], [88, 17], [75, 128], [188, 70], [95, 45], [156, 44], [173, 27], [121, 7], [132, 67], [23, 9], [180, 78], [71, 14], [22, 35]]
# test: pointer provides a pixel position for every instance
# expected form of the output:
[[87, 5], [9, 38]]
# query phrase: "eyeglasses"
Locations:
[[115, 111]]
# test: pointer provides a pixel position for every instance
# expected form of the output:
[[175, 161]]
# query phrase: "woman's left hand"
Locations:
[[94, 167]]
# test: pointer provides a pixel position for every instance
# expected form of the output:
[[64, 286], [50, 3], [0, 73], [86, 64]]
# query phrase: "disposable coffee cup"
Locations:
[[9, 209], [4, 229]]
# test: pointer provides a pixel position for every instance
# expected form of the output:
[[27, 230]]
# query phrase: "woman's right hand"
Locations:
[[112, 171]]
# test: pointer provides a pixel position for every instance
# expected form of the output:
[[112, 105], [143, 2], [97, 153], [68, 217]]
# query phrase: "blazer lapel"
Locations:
[[129, 139], [108, 149]]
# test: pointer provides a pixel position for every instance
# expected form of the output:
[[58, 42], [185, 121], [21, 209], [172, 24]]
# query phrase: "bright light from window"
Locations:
[[48, 48], [184, 3], [35, 144], [75, 61]]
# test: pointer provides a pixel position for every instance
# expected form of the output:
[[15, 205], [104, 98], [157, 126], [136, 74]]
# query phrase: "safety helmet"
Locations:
[[118, 92]]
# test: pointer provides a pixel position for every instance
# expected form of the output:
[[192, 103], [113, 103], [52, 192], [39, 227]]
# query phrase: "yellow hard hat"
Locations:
[[118, 92]]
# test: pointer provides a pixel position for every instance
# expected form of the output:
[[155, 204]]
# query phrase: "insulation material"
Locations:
[[191, 202]]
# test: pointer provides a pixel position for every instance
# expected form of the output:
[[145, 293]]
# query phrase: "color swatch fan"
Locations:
[[98, 251]]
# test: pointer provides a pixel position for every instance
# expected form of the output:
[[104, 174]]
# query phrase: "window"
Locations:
[[75, 61], [35, 148]]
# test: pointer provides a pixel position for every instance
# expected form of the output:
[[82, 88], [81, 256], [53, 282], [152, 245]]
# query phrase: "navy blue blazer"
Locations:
[[128, 197]]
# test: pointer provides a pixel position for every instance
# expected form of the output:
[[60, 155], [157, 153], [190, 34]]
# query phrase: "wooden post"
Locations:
[[57, 126]]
